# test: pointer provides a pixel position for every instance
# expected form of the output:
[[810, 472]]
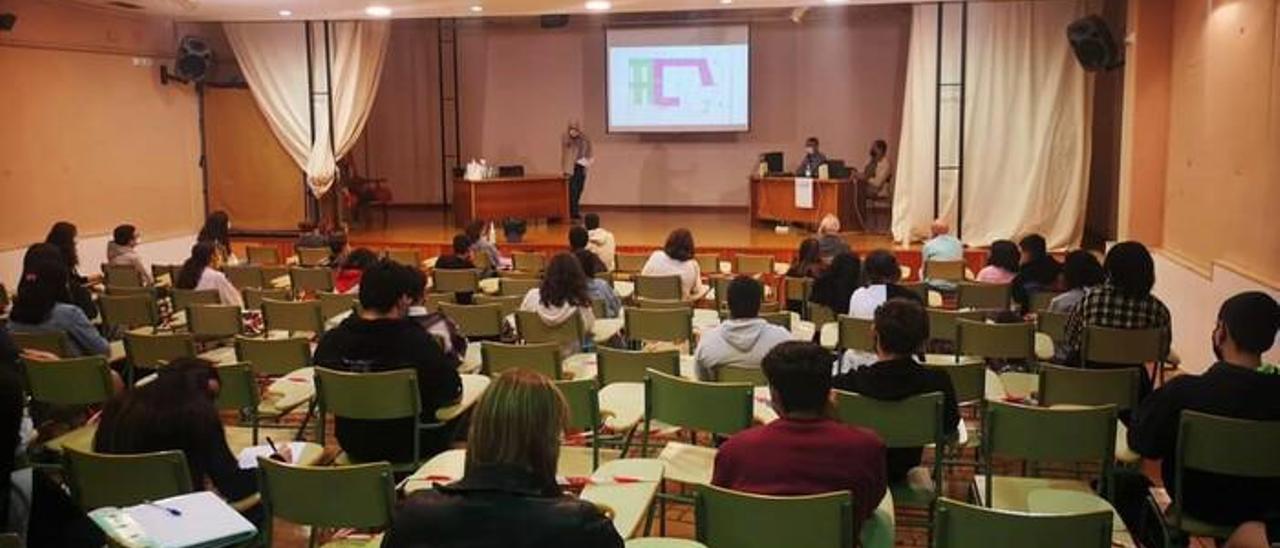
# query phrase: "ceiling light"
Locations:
[[285, 13], [598, 5], [836, 1], [477, 9], [378, 11], [726, 2]]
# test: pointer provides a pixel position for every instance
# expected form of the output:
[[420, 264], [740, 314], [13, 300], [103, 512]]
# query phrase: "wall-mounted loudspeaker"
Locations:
[[1093, 44], [554, 21], [7, 21], [193, 63]]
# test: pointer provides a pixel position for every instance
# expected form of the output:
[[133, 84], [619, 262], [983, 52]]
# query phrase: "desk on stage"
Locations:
[[774, 199], [529, 197]]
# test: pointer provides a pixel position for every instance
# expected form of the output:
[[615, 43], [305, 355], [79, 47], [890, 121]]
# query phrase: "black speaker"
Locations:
[[554, 21], [7, 21], [1093, 44]]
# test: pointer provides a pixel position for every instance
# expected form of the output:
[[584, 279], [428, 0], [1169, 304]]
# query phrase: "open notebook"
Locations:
[[195, 520], [248, 457]]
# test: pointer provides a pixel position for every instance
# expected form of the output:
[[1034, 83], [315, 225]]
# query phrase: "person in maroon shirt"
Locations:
[[804, 452]]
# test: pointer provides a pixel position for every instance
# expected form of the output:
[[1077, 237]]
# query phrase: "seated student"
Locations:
[[1039, 270], [901, 328], [743, 339], [838, 282], [200, 272], [447, 333], [676, 259], [43, 305], [882, 273], [805, 451], [63, 236], [806, 264], [347, 280], [339, 248], [1002, 263], [830, 243], [382, 338], [475, 233], [176, 411], [310, 237], [941, 247], [1080, 273], [1233, 387], [217, 232], [508, 495], [122, 251], [460, 259], [600, 241], [597, 289], [561, 296]]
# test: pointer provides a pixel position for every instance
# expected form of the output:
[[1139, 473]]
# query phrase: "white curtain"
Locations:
[[1028, 113], [273, 58]]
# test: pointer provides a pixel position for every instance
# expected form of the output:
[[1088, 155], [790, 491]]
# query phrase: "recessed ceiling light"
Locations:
[[285, 13], [477, 9], [378, 11], [726, 2], [598, 5]]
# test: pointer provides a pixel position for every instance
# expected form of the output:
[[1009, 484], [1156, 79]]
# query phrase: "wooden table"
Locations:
[[774, 199], [529, 197]]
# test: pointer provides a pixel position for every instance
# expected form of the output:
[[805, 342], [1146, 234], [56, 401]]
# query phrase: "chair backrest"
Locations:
[[748, 264], [262, 255], [305, 495], [1040, 299], [517, 287], [630, 262], [780, 319], [1131, 346], [533, 330], [968, 379], [1076, 386], [1232, 447], [519, 275], [238, 388], [183, 298], [722, 408], [708, 263], [148, 351], [942, 323], [54, 342], [481, 258], [509, 303], [98, 480], [405, 256], [475, 320], [752, 375], [1077, 434], [659, 287], [745, 520], [254, 296], [274, 357], [76, 381], [996, 340], [525, 261], [333, 304], [615, 365], [1052, 324], [382, 395], [797, 289], [129, 311], [921, 290], [819, 314], [432, 300], [584, 407], [245, 276], [664, 304], [456, 281], [310, 279], [648, 324], [720, 286], [960, 525], [855, 334], [214, 320], [312, 256], [541, 357], [944, 270], [121, 275], [159, 271], [127, 291], [911, 422], [292, 316], [980, 295]]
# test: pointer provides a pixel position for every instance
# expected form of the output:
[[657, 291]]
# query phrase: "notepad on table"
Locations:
[[248, 457], [195, 520]]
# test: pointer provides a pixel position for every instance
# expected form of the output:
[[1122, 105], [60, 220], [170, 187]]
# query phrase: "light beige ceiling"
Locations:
[[269, 10]]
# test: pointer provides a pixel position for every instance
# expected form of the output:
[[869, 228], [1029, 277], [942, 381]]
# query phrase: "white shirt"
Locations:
[[227, 293], [660, 264], [601, 242]]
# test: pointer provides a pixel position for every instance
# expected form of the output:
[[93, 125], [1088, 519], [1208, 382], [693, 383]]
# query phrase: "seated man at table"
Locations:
[[1237, 386], [381, 338], [805, 451], [743, 339], [901, 328]]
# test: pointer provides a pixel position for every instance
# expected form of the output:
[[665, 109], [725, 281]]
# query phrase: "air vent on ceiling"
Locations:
[[124, 5]]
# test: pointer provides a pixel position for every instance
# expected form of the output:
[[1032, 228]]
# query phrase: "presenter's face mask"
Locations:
[[810, 150]]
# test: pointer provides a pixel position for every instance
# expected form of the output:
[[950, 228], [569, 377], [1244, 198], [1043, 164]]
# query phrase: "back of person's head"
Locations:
[[830, 224], [417, 284], [1004, 254], [461, 245], [744, 296], [474, 230], [810, 252], [1082, 269], [360, 258], [63, 235], [181, 394], [799, 375], [216, 228], [44, 283], [591, 264], [881, 267], [518, 422], [846, 267], [337, 243], [202, 257], [578, 238], [124, 234], [564, 282], [939, 227], [880, 145], [41, 252], [679, 245], [1033, 247], [591, 221], [384, 285], [1250, 320], [1130, 269], [901, 327]]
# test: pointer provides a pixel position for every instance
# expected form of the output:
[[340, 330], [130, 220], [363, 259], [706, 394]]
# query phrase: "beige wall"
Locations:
[[251, 177], [87, 135], [838, 76]]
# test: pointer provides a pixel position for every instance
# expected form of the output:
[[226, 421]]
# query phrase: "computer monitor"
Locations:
[[773, 161], [837, 170], [511, 171]]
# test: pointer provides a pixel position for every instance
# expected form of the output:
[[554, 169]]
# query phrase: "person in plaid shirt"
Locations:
[[1124, 301]]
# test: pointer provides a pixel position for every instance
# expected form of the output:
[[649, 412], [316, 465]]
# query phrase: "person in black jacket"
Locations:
[[838, 282], [901, 328], [382, 338], [1039, 270], [509, 496]]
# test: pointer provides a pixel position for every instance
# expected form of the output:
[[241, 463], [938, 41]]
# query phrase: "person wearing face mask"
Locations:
[[812, 159], [381, 337], [877, 172], [576, 149]]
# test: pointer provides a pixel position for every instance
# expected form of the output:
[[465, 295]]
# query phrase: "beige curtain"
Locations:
[[273, 58]]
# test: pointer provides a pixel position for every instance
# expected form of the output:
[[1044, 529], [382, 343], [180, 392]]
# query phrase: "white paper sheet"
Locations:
[[804, 192], [248, 457]]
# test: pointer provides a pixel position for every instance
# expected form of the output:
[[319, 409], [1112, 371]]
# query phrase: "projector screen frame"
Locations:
[[608, 121]]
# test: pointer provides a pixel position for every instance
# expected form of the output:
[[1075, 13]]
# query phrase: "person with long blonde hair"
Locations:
[[508, 496]]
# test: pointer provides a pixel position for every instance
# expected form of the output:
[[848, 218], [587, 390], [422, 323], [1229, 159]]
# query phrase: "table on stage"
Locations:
[[774, 199], [528, 197]]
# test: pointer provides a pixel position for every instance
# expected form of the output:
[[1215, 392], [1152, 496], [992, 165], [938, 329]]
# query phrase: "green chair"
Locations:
[[292, 316], [238, 391], [127, 291], [99, 480], [944, 270], [184, 298], [274, 357], [980, 295], [159, 271], [517, 287], [1076, 386], [214, 321], [921, 290], [1037, 435], [752, 264], [942, 323], [475, 320], [456, 281], [73, 382], [313, 256], [509, 304], [968, 379], [708, 263], [128, 311], [630, 263], [405, 256], [751, 375], [855, 334], [995, 341], [960, 525], [541, 357], [431, 301], [584, 412], [1125, 346], [384, 395], [646, 324], [275, 275], [745, 520], [664, 304], [308, 280], [797, 289], [53, 342], [245, 276], [909, 423], [616, 365], [819, 314], [1040, 300], [720, 286], [533, 330], [153, 351], [308, 495], [659, 287], [528, 261], [780, 319], [254, 296], [121, 275], [262, 255], [333, 304], [1052, 324]]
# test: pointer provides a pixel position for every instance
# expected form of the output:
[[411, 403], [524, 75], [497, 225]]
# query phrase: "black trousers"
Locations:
[[577, 182]]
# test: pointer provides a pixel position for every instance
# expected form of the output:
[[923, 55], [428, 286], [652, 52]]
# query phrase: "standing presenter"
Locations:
[[575, 148]]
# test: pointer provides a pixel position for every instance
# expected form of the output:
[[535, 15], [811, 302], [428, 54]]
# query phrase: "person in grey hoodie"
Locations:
[[121, 252], [563, 294], [744, 339]]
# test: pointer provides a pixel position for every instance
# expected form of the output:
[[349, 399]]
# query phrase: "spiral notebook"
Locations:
[[195, 520]]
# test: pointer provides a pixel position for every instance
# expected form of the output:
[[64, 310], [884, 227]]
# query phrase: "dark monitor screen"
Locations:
[[837, 170], [773, 161]]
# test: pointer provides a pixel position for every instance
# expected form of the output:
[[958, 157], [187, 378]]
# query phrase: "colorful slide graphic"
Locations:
[[679, 88]]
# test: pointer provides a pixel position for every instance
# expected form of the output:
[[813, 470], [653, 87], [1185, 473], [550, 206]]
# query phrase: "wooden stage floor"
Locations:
[[632, 228]]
